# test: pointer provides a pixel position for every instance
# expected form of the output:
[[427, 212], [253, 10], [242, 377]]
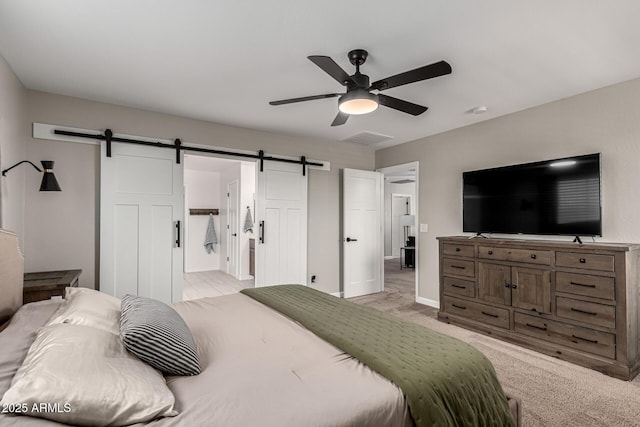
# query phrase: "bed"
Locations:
[[261, 364]]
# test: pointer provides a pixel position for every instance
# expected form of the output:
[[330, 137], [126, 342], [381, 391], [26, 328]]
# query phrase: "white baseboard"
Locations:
[[429, 302], [247, 277], [337, 294], [202, 270], [391, 257]]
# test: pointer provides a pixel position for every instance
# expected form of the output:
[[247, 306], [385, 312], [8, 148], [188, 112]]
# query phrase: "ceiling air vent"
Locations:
[[368, 138]]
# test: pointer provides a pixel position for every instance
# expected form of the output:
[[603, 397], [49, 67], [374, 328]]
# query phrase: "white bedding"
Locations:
[[259, 368]]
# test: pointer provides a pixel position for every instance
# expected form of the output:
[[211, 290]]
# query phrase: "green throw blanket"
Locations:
[[445, 381]]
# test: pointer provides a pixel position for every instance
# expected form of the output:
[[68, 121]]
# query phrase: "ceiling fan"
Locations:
[[359, 98]]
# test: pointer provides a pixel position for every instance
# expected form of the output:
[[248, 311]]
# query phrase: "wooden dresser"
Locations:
[[575, 302], [46, 284]]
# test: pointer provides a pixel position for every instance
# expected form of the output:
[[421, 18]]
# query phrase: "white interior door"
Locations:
[[362, 227], [141, 218], [233, 207], [281, 224]]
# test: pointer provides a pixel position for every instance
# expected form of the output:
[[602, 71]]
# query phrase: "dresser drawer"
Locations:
[[458, 267], [454, 286], [529, 256], [478, 312], [458, 250], [584, 284], [584, 339], [589, 312], [585, 261]]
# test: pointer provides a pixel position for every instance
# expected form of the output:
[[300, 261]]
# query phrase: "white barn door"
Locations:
[[362, 228], [281, 224], [141, 222]]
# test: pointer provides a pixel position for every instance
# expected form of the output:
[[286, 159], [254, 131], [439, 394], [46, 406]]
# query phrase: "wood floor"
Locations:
[[215, 283], [399, 289], [399, 295]]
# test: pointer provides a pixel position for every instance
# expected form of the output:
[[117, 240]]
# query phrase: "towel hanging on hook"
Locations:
[[210, 238], [248, 221]]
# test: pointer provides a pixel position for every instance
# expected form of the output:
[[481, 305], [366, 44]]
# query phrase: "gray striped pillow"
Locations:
[[157, 335]]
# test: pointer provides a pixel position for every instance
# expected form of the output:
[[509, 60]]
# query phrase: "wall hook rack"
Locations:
[[203, 211]]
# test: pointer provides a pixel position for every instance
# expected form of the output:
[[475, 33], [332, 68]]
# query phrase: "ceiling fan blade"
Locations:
[[340, 119], [400, 105], [304, 98], [423, 73], [330, 67]]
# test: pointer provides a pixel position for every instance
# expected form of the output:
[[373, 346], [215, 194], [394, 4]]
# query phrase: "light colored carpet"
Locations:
[[553, 392]]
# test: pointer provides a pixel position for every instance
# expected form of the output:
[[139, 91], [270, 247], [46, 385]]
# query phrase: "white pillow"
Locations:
[[89, 378], [83, 306]]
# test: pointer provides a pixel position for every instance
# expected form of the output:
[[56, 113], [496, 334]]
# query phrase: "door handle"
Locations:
[[234, 234], [349, 239], [261, 238], [177, 234]]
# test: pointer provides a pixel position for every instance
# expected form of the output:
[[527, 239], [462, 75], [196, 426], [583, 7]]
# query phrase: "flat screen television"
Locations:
[[560, 196]]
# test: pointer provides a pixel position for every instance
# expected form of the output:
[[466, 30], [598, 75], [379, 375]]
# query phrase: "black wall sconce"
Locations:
[[49, 181]]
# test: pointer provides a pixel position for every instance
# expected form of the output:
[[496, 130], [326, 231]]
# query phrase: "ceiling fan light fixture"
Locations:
[[358, 101]]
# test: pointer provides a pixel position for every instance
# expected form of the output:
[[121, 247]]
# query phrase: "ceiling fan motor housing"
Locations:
[[360, 80]]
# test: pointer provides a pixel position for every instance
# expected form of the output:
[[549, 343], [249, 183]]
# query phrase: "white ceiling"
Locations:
[[223, 61]]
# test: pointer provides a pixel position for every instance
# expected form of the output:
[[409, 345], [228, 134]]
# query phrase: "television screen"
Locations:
[[560, 196]]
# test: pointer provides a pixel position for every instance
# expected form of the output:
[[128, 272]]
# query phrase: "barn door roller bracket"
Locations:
[[108, 135], [177, 143]]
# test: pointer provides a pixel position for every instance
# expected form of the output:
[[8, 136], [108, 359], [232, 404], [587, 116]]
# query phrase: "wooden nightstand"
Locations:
[[46, 284]]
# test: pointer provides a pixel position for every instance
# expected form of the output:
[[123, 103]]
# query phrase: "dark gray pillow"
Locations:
[[157, 335]]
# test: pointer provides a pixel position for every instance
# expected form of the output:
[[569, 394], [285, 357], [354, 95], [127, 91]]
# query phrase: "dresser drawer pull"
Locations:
[[534, 256], [490, 252], [457, 249], [585, 339], [461, 307], [583, 284], [591, 313], [542, 328], [458, 286], [460, 267], [490, 314], [582, 260]]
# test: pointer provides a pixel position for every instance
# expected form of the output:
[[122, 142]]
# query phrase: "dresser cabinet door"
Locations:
[[531, 289], [494, 283]]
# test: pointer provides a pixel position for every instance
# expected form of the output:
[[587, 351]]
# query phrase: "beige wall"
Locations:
[[63, 227], [13, 133], [605, 121]]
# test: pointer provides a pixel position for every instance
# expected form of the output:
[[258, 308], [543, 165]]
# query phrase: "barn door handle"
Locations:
[[177, 234], [261, 231]]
